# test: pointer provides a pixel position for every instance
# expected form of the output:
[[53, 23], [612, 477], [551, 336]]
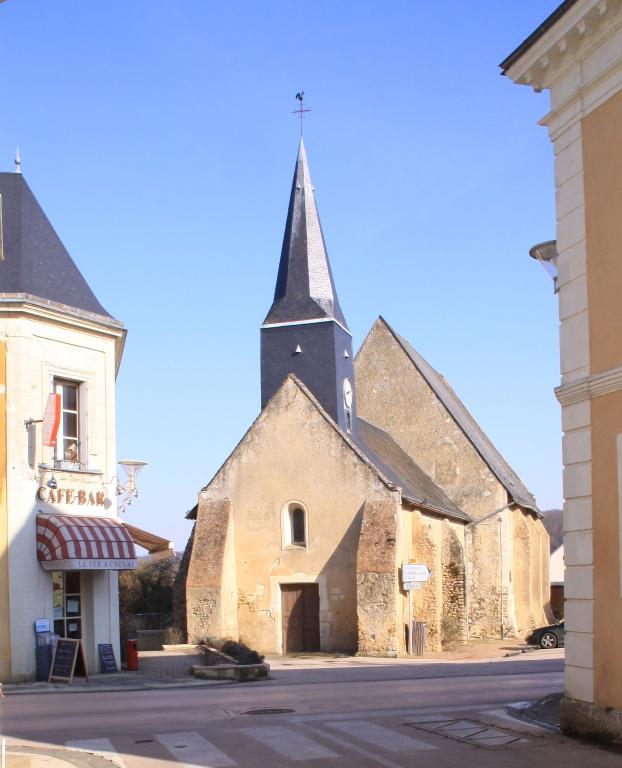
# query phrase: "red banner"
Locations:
[[51, 420]]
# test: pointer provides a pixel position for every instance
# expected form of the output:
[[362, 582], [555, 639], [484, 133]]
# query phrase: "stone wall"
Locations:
[[453, 629], [377, 579], [486, 597], [428, 601], [391, 393], [208, 613], [294, 454]]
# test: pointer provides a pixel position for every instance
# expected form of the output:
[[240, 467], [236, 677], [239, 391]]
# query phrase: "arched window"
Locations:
[[297, 522], [294, 525]]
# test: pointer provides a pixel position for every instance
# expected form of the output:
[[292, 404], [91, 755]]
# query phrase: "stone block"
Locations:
[[579, 582], [579, 650], [574, 343], [578, 514], [573, 298], [579, 683], [577, 480], [579, 615], [577, 446], [576, 416], [571, 263], [578, 548]]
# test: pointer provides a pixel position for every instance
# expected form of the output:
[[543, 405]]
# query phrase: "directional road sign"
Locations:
[[418, 572]]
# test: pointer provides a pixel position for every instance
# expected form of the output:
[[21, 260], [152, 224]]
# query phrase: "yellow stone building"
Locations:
[[576, 54], [352, 469]]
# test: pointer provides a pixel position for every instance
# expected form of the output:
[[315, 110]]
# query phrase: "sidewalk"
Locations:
[[54, 757], [173, 668], [157, 669]]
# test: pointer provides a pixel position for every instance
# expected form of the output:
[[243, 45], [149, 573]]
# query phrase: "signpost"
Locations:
[[414, 576]]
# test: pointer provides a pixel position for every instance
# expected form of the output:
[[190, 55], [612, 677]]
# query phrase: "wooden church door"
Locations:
[[300, 606]]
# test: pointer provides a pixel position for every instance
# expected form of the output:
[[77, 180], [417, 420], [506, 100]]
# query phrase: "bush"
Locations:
[[241, 652], [234, 648]]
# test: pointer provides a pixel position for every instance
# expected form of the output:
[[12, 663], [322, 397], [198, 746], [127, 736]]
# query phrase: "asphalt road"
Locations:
[[345, 714]]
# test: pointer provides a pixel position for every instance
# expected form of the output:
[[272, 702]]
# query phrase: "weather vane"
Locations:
[[301, 110]]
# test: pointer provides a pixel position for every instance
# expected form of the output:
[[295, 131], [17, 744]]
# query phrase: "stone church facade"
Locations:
[[352, 468]]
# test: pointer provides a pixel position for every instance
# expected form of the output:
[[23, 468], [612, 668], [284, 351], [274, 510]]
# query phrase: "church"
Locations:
[[354, 467]]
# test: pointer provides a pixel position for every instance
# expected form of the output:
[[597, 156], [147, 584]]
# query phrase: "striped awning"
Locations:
[[72, 543]]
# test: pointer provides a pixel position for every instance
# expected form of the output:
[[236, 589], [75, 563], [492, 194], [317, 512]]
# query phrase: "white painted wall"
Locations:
[[40, 345]]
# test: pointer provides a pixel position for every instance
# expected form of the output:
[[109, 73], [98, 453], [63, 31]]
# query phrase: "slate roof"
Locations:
[[472, 430], [305, 289], [35, 260], [383, 455], [398, 467]]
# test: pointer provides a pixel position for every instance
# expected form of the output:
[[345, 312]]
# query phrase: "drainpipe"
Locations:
[[469, 527]]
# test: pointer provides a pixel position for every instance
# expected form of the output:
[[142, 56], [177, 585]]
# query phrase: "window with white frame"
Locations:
[[69, 440], [294, 524]]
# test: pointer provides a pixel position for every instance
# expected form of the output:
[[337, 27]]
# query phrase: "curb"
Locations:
[[528, 712], [18, 690]]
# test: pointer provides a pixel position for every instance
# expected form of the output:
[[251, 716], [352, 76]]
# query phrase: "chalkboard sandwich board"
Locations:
[[107, 661], [68, 660]]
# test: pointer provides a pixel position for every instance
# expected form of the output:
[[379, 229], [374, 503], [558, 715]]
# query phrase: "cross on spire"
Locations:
[[301, 110]]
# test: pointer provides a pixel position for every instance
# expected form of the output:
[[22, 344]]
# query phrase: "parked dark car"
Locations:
[[548, 637]]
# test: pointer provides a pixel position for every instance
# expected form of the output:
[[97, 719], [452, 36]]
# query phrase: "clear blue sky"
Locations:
[[158, 136]]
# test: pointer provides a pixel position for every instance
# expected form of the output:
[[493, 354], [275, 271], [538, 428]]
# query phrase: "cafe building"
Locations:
[[62, 542]]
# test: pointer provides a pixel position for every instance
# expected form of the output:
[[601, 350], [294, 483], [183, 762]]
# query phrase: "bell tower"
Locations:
[[305, 332]]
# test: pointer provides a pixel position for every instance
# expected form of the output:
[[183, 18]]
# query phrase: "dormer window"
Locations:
[[294, 525]]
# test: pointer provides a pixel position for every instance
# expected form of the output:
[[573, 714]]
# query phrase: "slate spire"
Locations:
[[305, 332], [305, 289]]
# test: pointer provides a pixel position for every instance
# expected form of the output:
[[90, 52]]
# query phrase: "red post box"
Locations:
[[131, 654]]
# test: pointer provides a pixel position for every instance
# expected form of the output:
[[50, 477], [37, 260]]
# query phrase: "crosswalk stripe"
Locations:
[[378, 736], [192, 750], [288, 743], [101, 747]]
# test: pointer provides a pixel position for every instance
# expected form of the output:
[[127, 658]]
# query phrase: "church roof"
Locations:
[[480, 441], [305, 289], [387, 456], [34, 260], [381, 454]]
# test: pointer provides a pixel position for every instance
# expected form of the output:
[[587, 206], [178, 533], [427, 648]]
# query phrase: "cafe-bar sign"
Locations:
[[71, 496]]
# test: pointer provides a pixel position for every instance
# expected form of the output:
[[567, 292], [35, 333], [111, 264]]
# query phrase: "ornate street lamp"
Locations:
[[546, 254], [129, 490]]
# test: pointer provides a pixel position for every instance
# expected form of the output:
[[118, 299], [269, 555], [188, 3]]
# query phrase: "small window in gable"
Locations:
[[294, 525]]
